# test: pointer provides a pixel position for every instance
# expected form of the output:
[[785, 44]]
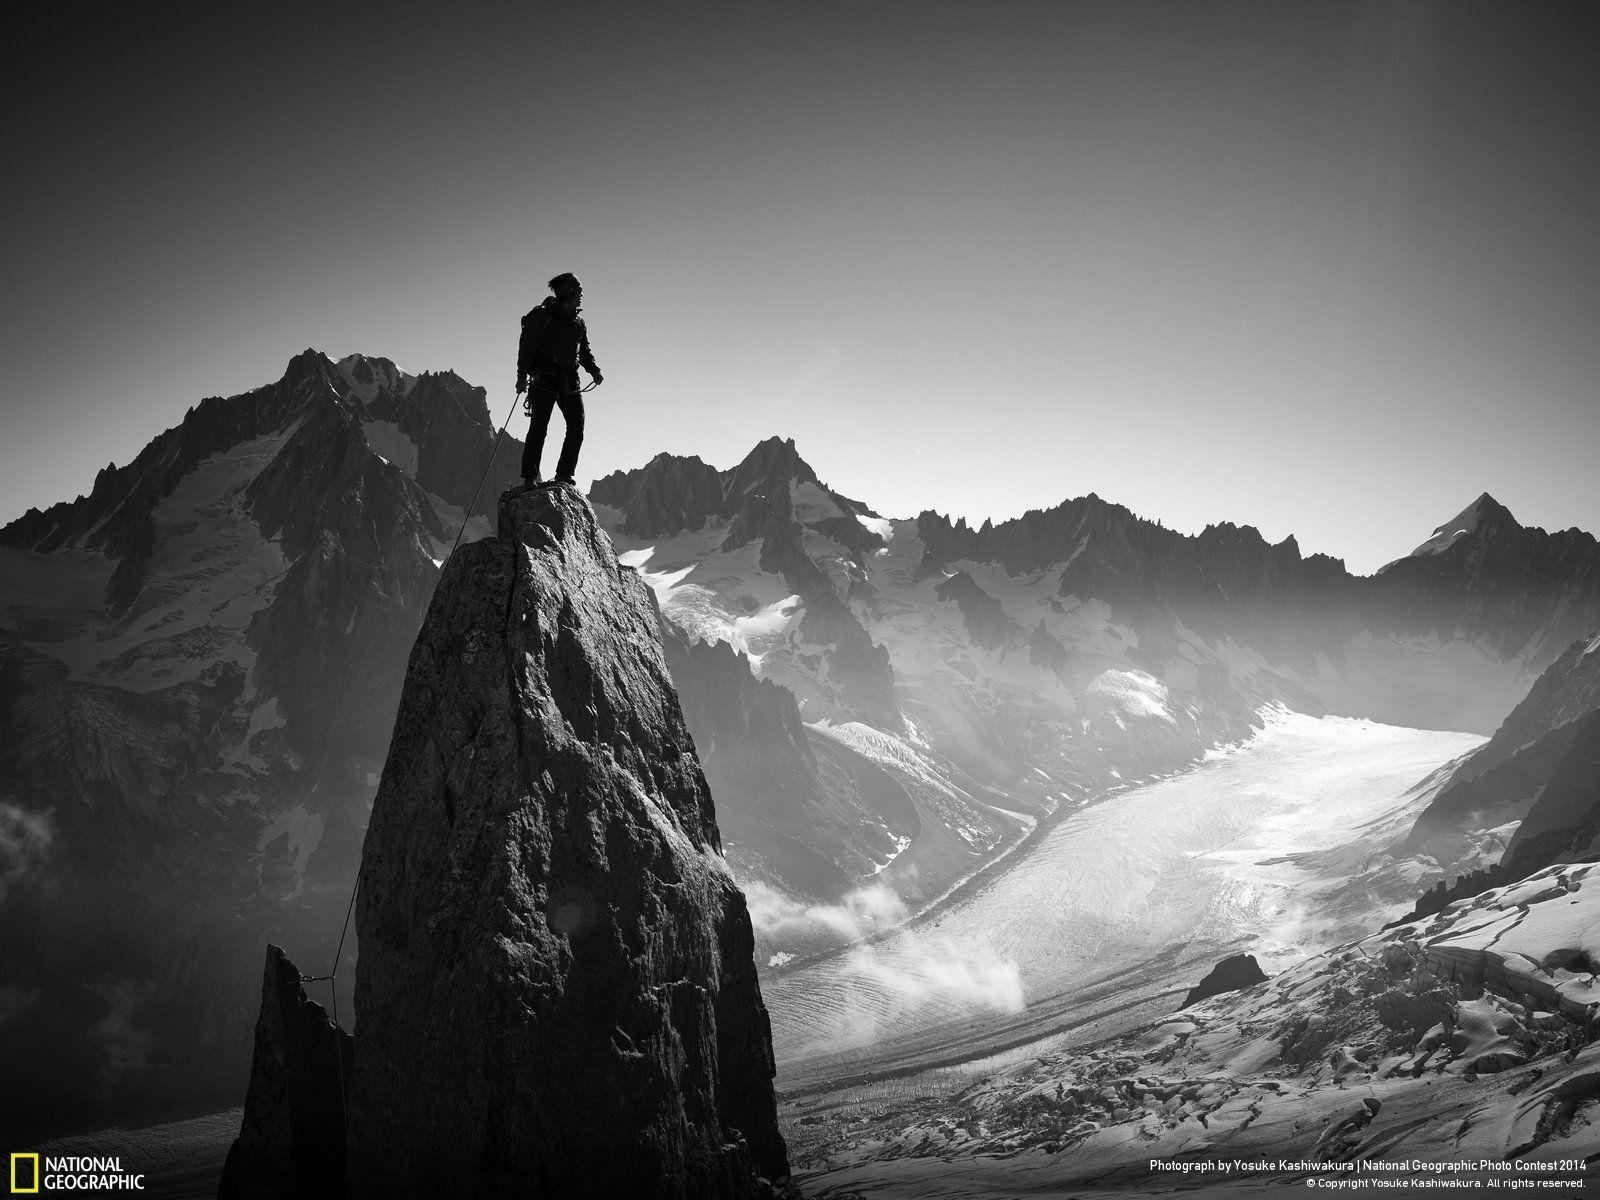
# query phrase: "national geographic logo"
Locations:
[[32, 1174], [24, 1174]]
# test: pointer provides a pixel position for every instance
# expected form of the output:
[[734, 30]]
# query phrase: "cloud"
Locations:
[[915, 967], [862, 913], [885, 987], [25, 842], [881, 984]]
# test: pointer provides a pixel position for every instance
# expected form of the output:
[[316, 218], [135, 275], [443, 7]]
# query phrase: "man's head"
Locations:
[[569, 292]]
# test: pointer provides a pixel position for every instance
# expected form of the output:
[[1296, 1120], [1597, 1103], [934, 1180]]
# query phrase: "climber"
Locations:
[[1332, 1137], [554, 342]]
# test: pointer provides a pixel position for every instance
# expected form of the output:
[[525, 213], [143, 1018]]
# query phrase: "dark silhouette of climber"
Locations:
[[554, 342]]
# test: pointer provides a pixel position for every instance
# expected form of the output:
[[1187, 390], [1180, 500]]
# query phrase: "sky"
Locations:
[[1330, 269]]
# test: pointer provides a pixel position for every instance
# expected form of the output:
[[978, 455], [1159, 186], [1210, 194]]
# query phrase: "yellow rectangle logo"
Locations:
[[16, 1186]]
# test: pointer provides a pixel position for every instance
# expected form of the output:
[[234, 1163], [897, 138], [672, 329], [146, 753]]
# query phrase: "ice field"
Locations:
[[1252, 850]]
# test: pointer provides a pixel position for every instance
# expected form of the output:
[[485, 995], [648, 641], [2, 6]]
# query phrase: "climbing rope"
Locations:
[[466, 513], [332, 978]]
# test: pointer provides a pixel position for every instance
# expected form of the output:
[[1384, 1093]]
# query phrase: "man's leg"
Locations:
[[542, 401], [572, 410]]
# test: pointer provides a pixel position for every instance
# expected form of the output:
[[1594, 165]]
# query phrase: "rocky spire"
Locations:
[[555, 993], [291, 1140]]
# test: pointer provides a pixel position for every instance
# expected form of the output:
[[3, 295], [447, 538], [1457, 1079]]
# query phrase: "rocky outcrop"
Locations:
[[859, 670], [1232, 974], [984, 617], [769, 519], [555, 992], [1563, 823], [291, 1142], [1568, 690], [1503, 777], [669, 494], [795, 808], [1046, 650]]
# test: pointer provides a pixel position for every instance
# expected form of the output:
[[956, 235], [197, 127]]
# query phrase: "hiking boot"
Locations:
[[566, 479]]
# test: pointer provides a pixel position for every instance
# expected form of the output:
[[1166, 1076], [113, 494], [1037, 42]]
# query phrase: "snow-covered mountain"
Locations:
[[1484, 577], [996, 677], [200, 663], [199, 667], [1483, 513]]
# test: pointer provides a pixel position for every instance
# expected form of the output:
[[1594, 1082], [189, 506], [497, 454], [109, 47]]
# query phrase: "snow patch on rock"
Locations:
[[1133, 694], [389, 444], [303, 831]]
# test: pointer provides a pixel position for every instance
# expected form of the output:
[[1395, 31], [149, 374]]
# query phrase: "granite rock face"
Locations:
[[555, 993], [291, 1142]]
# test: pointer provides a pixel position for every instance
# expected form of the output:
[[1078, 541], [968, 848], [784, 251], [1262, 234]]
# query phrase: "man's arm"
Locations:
[[585, 356]]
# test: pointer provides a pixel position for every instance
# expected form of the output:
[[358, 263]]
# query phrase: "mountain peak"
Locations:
[[773, 461], [367, 376], [1482, 514]]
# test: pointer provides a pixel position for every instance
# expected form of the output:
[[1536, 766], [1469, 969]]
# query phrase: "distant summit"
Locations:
[[1484, 513], [367, 377]]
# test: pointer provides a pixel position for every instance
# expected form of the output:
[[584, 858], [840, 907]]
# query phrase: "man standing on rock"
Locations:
[[554, 342]]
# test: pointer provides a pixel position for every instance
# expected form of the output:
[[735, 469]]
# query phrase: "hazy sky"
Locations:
[[1331, 269]]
